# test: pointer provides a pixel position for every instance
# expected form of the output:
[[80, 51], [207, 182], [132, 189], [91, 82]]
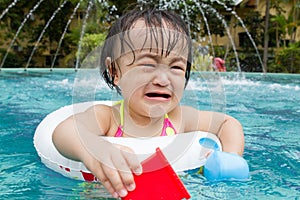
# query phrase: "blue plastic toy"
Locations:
[[223, 166]]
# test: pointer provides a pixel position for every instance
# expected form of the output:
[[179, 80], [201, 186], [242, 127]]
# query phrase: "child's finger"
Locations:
[[98, 171], [116, 178], [106, 183], [132, 160], [125, 172]]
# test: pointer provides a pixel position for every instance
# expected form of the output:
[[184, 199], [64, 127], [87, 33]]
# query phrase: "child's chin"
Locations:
[[156, 111]]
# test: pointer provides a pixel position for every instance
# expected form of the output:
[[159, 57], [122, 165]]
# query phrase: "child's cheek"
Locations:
[[132, 81]]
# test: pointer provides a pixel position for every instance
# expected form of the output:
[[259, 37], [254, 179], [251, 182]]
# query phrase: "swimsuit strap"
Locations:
[[122, 113], [119, 132], [168, 128], [121, 102]]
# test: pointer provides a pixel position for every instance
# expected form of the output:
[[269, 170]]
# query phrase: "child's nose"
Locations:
[[161, 78]]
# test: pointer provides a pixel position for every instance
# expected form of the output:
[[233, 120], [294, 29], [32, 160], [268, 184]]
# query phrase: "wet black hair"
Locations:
[[153, 19]]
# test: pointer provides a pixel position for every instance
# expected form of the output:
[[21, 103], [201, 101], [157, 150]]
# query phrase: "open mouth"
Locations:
[[158, 95]]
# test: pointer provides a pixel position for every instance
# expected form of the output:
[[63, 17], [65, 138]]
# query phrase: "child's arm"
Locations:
[[227, 128], [220, 165], [74, 140], [232, 136]]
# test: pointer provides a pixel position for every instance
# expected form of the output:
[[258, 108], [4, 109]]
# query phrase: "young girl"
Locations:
[[147, 58]]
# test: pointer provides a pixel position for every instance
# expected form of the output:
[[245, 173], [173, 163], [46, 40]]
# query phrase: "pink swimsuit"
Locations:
[[168, 128]]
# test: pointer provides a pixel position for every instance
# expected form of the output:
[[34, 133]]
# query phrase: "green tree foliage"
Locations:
[[288, 60], [54, 31], [12, 20], [254, 23], [102, 13], [280, 24], [294, 20], [90, 42]]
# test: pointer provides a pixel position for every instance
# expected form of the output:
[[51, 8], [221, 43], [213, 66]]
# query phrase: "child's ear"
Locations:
[[116, 78], [112, 70]]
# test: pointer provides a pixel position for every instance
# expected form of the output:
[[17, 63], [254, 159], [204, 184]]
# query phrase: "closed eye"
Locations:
[[177, 68], [148, 65]]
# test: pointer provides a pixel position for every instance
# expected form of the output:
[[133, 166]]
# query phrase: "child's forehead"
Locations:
[[154, 55], [162, 38], [141, 23]]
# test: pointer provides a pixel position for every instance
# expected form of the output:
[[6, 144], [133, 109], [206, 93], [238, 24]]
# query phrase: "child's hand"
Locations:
[[114, 167]]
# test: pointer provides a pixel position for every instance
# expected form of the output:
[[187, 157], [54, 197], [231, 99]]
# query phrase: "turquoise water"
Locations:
[[267, 106]]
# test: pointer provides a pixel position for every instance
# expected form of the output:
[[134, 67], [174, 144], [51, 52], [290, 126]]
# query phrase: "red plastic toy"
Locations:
[[158, 181]]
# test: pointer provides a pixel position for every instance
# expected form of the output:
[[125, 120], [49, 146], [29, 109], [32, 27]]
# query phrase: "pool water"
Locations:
[[266, 104]]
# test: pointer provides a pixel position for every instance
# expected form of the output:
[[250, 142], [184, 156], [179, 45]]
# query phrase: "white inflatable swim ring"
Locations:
[[184, 151]]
